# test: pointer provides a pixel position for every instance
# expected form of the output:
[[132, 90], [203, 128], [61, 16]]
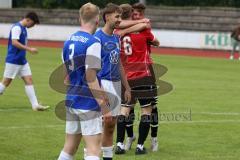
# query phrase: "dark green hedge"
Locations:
[[69, 4], [75, 4]]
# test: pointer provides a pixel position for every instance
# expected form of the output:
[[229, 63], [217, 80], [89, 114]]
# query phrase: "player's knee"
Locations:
[[6, 82], [28, 80], [125, 111], [146, 110], [94, 151], [109, 128], [69, 149]]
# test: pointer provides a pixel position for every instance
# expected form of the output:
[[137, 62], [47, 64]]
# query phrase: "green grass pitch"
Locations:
[[208, 87]]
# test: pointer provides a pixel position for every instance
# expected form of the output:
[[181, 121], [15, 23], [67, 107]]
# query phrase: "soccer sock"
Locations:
[[129, 123], [84, 152], [144, 127], [154, 122], [29, 89], [107, 153], [65, 156], [121, 124], [92, 158], [2, 88]]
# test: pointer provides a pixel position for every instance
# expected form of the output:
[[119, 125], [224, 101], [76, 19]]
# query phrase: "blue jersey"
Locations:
[[15, 55], [74, 55], [110, 54]]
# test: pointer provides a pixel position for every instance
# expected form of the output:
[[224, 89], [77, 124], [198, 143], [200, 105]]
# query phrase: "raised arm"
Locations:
[[135, 28], [128, 23]]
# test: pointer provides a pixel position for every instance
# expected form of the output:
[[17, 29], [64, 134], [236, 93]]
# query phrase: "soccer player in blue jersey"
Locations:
[[112, 74], [16, 63], [82, 59]]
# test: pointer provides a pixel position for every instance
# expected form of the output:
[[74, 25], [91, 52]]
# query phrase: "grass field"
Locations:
[[208, 87]]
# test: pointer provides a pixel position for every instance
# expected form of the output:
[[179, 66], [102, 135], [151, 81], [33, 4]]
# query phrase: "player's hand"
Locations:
[[66, 80], [33, 50], [120, 33], [107, 117], [149, 25], [127, 95], [145, 20], [103, 102]]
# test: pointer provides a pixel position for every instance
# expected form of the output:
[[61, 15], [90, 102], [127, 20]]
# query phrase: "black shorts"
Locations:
[[143, 90]]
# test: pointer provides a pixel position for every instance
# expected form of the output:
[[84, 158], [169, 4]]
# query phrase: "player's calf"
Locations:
[[144, 127], [154, 129], [107, 138]]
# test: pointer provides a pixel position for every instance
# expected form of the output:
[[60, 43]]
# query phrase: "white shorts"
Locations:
[[13, 70], [75, 124], [115, 97]]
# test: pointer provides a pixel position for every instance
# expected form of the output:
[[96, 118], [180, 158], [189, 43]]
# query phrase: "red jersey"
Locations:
[[135, 54]]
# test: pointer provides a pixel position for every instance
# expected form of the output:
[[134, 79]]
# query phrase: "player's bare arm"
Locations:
[[66, 77], [135, 28], [17, 44], [129, 23], [96, 90], [127, 94]]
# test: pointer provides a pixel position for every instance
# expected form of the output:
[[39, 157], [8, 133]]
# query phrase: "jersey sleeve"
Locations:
[[149, 36], [16, 32], [93, 56]]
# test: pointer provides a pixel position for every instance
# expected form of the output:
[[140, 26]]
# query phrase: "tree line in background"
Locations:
[[75, 4]]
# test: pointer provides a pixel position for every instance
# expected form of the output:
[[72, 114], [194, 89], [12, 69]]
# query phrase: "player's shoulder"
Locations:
[[116, 35], [16, 26], [98, 33], [99, 36]]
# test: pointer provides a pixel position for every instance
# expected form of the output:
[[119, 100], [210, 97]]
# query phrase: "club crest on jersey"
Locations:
[[114, 57], [109, 46]]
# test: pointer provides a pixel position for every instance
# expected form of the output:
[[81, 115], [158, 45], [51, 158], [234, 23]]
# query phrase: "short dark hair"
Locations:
[[33, 16], [139, 7], [126, 10], [110, 8]]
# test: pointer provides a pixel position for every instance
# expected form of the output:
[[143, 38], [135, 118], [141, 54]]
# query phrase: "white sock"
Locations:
[[65, 156], [84, 153], [107, 152], [29, 89], [92, 158], [2, 88], [140, 146]]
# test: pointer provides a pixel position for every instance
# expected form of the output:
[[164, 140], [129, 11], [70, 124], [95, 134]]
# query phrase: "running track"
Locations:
[[163, 50]]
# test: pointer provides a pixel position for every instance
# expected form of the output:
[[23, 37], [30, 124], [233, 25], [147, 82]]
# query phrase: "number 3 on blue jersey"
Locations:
[[71, 47]]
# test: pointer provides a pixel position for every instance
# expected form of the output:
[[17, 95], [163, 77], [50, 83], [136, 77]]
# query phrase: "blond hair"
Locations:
[[126, 10], [88, 12]]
